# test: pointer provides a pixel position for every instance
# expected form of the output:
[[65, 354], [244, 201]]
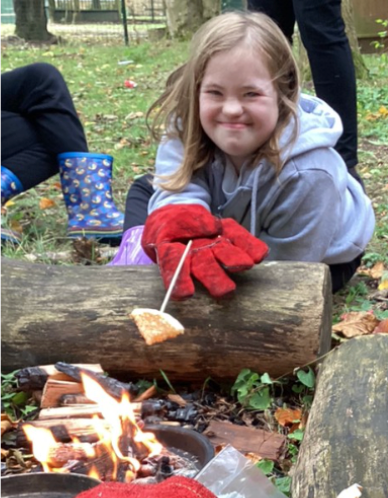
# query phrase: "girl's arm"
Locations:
[[168, 160]]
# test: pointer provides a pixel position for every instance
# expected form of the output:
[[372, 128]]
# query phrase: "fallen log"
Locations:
[[346, 438], [279, 318]]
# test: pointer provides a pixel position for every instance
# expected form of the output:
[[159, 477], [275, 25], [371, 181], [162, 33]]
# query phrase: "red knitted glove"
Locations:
[[217, 244], [174, 487]]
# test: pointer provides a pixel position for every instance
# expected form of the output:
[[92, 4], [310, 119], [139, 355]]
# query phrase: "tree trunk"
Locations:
[[346, 439], [31, 20], [184, 17], [96, 4], [278, 319]]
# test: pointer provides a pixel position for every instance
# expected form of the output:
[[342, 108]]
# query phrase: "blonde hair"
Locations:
[[177, 110]]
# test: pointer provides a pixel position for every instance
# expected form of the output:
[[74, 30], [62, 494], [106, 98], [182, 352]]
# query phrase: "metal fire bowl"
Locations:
[[45, 485], [186, 440]]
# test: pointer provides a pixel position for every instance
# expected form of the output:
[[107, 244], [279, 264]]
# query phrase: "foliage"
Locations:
[[15, 403]]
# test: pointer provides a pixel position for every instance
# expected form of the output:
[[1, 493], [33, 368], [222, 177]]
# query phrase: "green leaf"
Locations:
[[266, 379], [266, 466], [20, 398], [306, 378], [167, 381], [283, 484], [297, 388], [260, 400], [297, 435]]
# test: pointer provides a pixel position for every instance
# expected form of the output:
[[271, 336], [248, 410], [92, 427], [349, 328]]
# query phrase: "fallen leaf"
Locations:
[[356, 323], [46, 203], [375, 272], [177, 399], [382, 327], [287, 416], [383, 285]]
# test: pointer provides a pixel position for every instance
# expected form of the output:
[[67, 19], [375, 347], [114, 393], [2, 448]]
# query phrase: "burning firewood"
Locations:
[[60, 454], [35, 378], [74, 400], [63, 430], [141, 409], [111, 386], [54, 390]]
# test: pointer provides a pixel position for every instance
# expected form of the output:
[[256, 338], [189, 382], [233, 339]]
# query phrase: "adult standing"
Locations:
[[322, 30]]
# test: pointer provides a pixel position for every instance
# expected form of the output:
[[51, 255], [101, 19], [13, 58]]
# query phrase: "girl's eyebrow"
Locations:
[[244, 87]]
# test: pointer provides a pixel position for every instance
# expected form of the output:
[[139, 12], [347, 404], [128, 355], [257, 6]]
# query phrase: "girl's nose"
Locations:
[[232, 107]]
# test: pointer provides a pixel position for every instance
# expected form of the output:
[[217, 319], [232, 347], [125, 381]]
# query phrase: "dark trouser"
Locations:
[[136, 212], [322, 30], [38, 122]]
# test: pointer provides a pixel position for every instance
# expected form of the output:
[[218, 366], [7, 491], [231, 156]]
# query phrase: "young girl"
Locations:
[[246, 162]]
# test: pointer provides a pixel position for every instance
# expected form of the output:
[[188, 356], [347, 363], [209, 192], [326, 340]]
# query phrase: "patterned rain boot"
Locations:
[[86, 184], [10, 186]]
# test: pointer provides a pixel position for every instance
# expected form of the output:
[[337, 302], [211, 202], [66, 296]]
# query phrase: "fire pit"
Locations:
[[187, 444], [43, 485]]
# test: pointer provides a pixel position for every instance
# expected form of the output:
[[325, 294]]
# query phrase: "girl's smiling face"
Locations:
[[238, 103]]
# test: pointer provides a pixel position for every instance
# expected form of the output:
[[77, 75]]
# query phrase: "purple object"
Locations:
[[130, 251]]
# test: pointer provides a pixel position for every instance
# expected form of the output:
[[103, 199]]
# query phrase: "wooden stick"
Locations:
[[175, 277]]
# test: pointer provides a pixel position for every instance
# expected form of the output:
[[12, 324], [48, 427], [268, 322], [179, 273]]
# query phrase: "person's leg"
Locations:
[[342, 273], [280, 11], [39, 93], [22, 153], [322, 30], [136, 206]]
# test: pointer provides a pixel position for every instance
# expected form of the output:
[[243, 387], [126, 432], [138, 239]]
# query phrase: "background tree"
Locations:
[[184, 17], [31, 20]]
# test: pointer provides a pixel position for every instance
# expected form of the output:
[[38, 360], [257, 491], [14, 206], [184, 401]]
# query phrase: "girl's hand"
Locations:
[[218, 245]]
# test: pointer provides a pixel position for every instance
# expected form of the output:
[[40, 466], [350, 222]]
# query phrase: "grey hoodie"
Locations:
[[313, 211]]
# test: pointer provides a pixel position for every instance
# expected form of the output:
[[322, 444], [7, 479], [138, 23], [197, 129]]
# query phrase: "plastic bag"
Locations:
[[231, 475]]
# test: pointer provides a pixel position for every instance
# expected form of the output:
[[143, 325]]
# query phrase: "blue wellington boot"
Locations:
[[86, 180], [10, 186]]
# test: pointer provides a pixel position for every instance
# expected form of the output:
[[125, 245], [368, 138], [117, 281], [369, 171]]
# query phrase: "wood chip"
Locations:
[[155, 326]]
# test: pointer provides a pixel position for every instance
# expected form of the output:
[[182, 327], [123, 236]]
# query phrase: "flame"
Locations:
[[93, 472], [123, 436], [42, 441]]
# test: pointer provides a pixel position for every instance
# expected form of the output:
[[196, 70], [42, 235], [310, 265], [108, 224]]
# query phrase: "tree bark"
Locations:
[[31, 20], [279, 318], [184, 17], [346, 439]]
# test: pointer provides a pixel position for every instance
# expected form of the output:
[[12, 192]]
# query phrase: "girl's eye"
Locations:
[[214, 92], [252, 94]]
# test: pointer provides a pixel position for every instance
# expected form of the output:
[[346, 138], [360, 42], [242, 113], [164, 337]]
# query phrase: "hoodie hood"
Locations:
[[319, 126]]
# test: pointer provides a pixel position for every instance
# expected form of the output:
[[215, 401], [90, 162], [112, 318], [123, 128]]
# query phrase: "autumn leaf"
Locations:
[[382, 327], [46, 203], [287, 416], [383, 285], [356, 323], [375, 272]]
